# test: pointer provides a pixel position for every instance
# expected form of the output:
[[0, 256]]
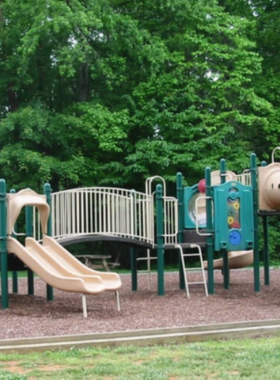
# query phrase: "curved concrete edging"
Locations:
[[145, 337]]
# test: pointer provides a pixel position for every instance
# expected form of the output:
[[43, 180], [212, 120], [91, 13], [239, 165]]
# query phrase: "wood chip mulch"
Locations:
[[34, 316]]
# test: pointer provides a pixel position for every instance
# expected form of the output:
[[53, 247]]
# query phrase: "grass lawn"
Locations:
[[251, 359]]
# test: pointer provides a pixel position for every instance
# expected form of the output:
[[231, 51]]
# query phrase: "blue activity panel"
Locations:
[[234, 217]]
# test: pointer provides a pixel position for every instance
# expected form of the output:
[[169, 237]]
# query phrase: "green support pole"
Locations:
[[265, 245], [266, 251], [253, 168], [180, 238], [223, 170], [133, 263], [209, 229], [226, 272], [29, 232], [14, 273], [3, 245], [133, 253], [160, 240], [47, 192], [15, 281]]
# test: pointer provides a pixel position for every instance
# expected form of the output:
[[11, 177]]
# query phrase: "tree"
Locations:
[[201, 104], [64, 65], [110, 92]]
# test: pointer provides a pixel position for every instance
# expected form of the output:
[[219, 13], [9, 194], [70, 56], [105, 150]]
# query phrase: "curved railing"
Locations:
[[112, 212]]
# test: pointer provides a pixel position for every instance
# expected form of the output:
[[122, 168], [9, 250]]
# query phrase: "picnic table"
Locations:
[[95, 261]]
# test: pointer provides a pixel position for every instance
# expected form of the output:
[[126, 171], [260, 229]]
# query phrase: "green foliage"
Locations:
[[203, 99], [110, 92]]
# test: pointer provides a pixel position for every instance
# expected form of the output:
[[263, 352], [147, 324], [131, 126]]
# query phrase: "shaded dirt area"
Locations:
[[32, 316]]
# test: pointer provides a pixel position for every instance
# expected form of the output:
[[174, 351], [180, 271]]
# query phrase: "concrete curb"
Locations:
[[239, 330]]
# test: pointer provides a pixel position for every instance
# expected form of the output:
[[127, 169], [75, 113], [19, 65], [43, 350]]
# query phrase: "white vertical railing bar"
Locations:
[[132, 214], [57, 212], [90, 213], [99, 212], [78, 213], [109, 210], [70, 212], [113, 214], [85, 212], [68, 200], [64, 211], [152, 219], [104, 228], [140, 218]]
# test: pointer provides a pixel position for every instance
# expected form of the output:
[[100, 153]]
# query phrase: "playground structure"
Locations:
[[223, 219]]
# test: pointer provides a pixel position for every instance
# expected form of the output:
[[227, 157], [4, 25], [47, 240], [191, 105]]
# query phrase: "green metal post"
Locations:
[[253, 168], [209, 229], [3, 245], [160, 239], [14, 273], [133, 263], [15, 281], [266, 251], [265, 245], [47, 192], [226, 272], [133, 253], [180, 238], [223, 170], [29, 232]]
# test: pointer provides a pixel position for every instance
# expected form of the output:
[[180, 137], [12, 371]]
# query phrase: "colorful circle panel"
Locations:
[[236, 205], [235, 238], [230, 220]]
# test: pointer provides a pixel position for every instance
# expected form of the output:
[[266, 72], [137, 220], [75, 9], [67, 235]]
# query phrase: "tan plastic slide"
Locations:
[[63, 272], [50, 261], [236, 259]]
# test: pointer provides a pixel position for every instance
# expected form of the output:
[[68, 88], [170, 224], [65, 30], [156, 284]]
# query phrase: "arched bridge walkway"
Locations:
[[102, 213]]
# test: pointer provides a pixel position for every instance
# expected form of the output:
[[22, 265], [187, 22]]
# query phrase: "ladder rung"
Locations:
[[146, 258], [198, 270], [191, 254], [195, 282], [144, 271]]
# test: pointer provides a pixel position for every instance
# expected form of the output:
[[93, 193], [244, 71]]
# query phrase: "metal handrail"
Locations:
[[273, 153], [196, 212]]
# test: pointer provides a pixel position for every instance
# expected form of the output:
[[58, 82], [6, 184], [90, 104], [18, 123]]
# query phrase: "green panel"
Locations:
[[220, 218], [234, 218], [247, 215]]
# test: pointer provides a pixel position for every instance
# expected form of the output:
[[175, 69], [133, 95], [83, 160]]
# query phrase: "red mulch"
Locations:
[[32, 316]]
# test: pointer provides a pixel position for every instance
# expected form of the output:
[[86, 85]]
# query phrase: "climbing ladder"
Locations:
[[185, 270]]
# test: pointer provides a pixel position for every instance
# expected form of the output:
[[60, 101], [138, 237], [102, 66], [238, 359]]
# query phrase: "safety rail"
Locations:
[[170, 220], [101, 211], [111, 212], [244, 178]]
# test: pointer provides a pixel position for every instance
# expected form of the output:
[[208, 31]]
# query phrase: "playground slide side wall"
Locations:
[[111, 281], [51, 271], [239, 259]]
